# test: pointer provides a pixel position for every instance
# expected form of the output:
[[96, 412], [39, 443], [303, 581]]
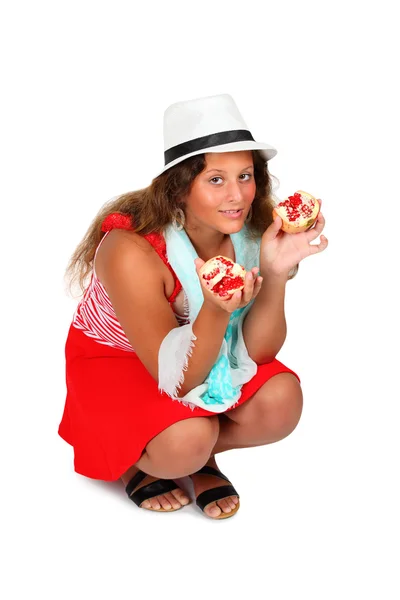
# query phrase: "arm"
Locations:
[[132, 276], [209, 327], [264, 327]]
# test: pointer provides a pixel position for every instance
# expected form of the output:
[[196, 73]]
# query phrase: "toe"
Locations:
[[155, 503], [168, 501], [213, 510], [180, 496], [232, 501], [172, 500], [224, 505], [164, 502]]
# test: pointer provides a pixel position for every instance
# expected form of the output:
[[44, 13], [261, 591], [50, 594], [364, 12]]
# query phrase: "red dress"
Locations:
[[113, 406]]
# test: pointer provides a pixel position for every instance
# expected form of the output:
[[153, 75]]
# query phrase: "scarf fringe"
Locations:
[[186, 309], [173, 360], [188, 354]]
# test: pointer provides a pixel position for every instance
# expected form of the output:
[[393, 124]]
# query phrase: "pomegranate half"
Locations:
[[298, 212], [222, 276]]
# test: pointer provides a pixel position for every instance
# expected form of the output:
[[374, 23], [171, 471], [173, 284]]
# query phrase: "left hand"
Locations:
[[281, 251]]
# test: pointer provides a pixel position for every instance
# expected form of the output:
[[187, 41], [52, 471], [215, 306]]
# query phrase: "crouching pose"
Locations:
[[163, 373]]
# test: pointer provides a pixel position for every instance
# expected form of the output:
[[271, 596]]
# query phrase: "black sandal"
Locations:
[[155, 488], [215, 494]]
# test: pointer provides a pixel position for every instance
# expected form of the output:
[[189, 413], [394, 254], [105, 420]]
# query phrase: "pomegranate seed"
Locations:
[[295, 208], [226, 284]]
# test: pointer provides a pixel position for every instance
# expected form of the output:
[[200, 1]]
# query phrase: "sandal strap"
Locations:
[[211, 471], [132, 483], [215, 494], [155, 488]]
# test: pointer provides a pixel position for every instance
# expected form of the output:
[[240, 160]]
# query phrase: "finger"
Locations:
[[235, 300], [314, 248], [312, 234], [250, 284], [272, 231], [255, 271], [248, 287], [199, 262], [257, 286]]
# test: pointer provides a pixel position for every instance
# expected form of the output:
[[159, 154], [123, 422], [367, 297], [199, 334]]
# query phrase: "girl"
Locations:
[[161, 374]]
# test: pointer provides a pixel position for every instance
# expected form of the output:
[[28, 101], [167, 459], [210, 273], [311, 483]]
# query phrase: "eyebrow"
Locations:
[[222, 171]]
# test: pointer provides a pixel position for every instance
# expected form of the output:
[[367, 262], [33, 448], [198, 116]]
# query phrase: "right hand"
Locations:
[[234, 301]]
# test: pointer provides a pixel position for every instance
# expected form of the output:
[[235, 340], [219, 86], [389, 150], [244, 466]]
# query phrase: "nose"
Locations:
[[234, 192]]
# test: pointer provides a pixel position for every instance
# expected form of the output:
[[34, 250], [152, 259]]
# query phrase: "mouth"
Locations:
[[232, 213]]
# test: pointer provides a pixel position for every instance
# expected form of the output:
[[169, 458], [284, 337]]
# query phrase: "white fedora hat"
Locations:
[[209, 124]]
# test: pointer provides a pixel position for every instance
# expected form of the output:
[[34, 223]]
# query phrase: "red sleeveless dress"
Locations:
[[113, 406]]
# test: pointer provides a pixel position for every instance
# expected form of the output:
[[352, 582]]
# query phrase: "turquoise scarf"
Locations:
[[233, 367]]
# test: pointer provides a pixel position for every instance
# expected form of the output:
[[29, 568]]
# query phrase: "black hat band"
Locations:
[[207, 141]]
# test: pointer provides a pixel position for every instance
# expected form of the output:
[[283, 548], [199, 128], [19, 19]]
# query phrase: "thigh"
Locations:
[[189, 436], [281, 394]]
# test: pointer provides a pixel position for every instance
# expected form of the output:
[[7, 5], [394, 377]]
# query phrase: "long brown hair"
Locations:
[[154, 207]]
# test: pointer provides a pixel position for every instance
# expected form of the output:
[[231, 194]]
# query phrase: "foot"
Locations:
[[170, 501], [203, 482]]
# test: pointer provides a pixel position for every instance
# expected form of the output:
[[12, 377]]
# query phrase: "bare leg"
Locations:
[[164, 458], [270, 415]]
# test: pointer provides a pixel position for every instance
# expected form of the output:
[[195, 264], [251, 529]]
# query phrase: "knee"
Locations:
[[184, 447], [279, 405]]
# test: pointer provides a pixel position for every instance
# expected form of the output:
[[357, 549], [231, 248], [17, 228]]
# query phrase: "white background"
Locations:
[[85, 85]]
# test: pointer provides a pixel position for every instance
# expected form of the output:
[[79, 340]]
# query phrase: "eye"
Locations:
[[249, 175]]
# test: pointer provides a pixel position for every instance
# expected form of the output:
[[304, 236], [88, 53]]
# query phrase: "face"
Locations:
[[225, 184]]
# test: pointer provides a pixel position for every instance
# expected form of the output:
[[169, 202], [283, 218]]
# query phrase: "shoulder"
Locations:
[[125, 246], [120, 241]]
